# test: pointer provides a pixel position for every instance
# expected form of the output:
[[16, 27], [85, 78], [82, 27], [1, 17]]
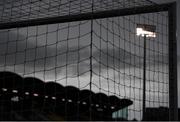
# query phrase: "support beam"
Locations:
[[173, 87], [87, 16]]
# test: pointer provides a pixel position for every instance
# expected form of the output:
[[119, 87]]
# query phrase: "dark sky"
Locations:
[[45, 45], [50, 50]]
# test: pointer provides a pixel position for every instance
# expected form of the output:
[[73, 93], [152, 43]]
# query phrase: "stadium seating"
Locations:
[[30, 98]]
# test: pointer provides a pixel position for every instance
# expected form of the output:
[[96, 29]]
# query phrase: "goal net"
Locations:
[[81, 70]]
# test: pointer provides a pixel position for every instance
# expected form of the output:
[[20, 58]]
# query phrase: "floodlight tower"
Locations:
[[146, 31]]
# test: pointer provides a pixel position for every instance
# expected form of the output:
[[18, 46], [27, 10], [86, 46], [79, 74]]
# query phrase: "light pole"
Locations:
[[144, 79], [145, 31]]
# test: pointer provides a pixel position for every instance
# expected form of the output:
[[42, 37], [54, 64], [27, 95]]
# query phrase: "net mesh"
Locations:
[[17, 10], [98, 55]]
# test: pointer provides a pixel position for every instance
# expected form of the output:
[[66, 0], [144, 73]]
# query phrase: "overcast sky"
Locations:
[[39, 48]]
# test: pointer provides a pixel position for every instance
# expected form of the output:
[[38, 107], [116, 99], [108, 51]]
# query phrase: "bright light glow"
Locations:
[[97, 105], [4, 89], [26, 93], [35, 94], [46, 96], [112, 107], [69, 101], [54, 98], [15, 99], [15, 91], [84, 103], [63, 99], [142, 32]]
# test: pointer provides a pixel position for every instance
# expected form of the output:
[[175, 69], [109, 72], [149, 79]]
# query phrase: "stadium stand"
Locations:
[[30, 98]]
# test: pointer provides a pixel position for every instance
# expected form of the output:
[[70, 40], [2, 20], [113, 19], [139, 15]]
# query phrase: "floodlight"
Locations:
[[146, 30], [15, 91]]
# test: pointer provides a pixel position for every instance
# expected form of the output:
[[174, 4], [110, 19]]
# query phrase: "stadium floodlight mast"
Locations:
[[146, 31]]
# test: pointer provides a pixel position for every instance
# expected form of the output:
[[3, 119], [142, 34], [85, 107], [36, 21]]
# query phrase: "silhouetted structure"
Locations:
[[158, 114], [32, 99]]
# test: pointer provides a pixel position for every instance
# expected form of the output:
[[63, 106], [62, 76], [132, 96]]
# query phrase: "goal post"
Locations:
[[90, 15], [173, 84]]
